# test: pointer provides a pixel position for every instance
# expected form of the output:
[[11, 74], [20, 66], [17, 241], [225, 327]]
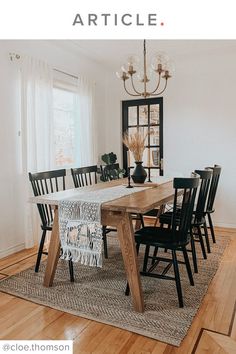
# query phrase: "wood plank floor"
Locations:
[[213, 329]]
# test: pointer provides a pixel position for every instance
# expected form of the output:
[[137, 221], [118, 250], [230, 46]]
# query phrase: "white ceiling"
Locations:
[[113, 53]]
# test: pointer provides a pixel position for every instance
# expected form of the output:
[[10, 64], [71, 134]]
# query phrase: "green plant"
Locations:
[[110, 173], [109, 158]]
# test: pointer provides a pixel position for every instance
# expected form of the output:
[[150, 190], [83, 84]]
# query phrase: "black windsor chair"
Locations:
[[174, 238], [198, 219], [44, 183]]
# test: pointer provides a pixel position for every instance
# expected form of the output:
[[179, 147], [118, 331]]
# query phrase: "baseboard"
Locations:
[[11, 250]]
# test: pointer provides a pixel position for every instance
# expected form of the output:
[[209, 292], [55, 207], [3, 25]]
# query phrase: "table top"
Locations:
[[139, 202]]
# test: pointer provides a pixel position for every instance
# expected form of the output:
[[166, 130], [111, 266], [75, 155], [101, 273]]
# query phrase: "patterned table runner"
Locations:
[[80, 223]]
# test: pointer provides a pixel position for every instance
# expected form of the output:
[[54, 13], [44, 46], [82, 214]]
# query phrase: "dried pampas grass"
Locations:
[[135, 143]]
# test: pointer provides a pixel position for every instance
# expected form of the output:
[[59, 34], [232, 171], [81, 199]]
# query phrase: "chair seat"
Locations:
[[159, 237]]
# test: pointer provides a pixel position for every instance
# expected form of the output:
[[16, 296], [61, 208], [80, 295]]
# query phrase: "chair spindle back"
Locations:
[[205, 178], [45, 183], [182, 213], [216, 171], [84, 176]]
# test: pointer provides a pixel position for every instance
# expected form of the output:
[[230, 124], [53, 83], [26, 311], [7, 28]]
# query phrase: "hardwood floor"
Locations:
[[213, 329]]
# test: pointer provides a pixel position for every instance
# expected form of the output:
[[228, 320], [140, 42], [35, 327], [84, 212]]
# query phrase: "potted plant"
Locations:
[[111, 169]]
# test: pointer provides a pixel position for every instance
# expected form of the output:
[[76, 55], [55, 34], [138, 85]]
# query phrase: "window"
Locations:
[[73, 121], [64, 114]]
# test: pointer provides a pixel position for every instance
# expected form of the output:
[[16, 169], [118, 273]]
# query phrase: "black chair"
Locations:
[[44, 183], [198, 219], [86, 176], [174, 238], [216, 171]]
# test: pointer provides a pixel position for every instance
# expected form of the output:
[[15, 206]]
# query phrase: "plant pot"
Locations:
[[139, 175]]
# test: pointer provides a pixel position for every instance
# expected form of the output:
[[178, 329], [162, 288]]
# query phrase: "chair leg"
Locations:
[[142, 221], [40, 251], [211, 228], [207, 238], [104, 237], [71, 270], [193, 248], [154, 254], [127, 290], [137, 248], [188, 267], [201, 242], [145, 261], [177, 279]]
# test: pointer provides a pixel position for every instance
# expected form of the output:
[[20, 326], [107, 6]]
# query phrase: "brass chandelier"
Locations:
[[160, 65]]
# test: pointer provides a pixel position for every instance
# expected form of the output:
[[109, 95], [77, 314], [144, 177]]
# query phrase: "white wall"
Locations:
[[199, 121], [11, 215]]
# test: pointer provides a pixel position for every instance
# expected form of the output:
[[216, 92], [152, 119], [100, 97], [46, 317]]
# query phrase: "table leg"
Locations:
[[128, 249], [53, 252]]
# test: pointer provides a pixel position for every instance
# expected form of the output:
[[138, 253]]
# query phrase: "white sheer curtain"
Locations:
[[86, 123], [36, 133]]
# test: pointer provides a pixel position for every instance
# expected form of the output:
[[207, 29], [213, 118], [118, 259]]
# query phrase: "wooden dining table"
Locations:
[[115, 213]]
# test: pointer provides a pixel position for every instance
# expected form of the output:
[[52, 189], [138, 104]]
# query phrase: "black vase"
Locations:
[[139, 175]]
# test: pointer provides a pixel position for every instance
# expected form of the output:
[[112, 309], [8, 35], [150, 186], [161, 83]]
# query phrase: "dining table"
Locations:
[[115, 213]]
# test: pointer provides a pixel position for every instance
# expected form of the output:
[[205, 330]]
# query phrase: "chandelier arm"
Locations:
[[159, 93], [132, 81], [131, 94], [158, 84]]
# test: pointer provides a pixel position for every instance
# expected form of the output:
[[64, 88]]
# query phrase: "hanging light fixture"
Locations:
[[160, 64]]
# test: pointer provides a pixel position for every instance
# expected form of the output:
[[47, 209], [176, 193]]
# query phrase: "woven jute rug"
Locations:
[[98, 294]]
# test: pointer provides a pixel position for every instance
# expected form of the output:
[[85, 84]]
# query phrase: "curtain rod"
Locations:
[[65, 73], [17, 56]]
